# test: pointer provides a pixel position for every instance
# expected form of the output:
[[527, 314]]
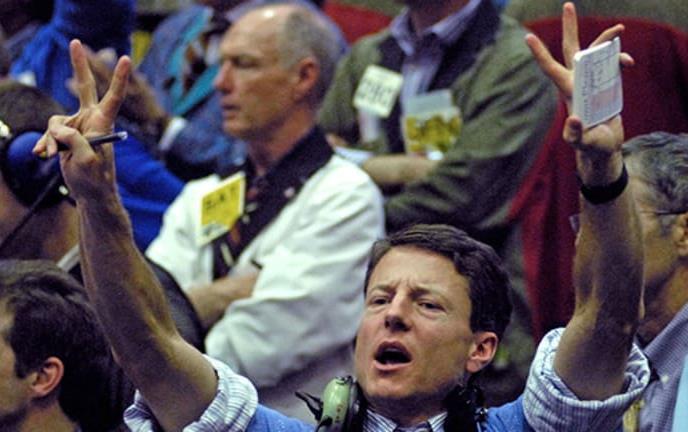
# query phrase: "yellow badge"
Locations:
[[431, 124], [221, 208], [378, 91]]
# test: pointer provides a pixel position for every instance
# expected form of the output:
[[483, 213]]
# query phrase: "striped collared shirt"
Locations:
[[667, 353], [375, 422]]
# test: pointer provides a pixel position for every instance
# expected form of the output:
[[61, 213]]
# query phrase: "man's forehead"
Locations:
[[251, 34], [261, 21], [422, 268]]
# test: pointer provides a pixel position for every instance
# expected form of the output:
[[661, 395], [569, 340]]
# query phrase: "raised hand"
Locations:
[[87, 171], [141, 105], [601, 141]]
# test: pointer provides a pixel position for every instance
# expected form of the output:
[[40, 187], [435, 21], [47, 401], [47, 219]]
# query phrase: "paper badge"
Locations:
[[431, 124], [378, 91], [221, 208]]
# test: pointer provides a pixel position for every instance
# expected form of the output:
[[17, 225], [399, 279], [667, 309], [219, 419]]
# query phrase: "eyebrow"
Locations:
[[416, 291]]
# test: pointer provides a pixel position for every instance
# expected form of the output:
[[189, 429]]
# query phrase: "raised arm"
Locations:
[[608, 266], [175, 379]]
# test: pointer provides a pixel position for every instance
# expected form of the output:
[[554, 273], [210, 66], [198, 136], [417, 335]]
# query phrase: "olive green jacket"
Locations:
[[507, 105]]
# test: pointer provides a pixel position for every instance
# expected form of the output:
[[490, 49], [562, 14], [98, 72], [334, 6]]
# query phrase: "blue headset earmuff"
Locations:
[[26, 174], [36, 182]]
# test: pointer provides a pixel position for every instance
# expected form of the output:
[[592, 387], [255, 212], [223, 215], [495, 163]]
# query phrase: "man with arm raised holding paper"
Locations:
[[424, 294]]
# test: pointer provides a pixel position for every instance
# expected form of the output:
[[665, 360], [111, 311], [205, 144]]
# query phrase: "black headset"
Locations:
[[342, 407], [36, 182]]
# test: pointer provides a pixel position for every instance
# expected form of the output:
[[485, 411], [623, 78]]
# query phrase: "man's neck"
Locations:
[[268, 149], [50, 418], [661, 309], [407, 413], [64, 234], [422, 16], [49, 234]]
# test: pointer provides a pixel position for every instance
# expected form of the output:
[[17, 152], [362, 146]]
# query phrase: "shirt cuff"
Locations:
[[231, 410], [549, 405], [173, 128], [353, 155]]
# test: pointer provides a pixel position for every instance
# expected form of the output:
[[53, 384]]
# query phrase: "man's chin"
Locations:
[[394, 392]]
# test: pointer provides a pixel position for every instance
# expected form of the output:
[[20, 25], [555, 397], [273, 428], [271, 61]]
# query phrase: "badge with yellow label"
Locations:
[[431, 124], [221, 208], [378, 91]]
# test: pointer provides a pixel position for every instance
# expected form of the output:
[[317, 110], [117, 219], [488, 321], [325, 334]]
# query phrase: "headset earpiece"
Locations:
[[37, 183], [340, 405], [27, 175]]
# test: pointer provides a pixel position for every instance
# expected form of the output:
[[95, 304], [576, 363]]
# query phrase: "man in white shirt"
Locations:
[[297, 255]]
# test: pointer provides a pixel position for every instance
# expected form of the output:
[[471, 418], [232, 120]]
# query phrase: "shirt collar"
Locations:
[[375, 422], [310, 154], [447, 31], [670, 346]]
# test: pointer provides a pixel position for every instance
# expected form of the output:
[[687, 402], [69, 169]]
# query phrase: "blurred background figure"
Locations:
[[20, 19], [44, 61], [55, 362]]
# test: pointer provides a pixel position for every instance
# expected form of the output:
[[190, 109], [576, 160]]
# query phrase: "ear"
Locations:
[[47, 377], [482, 351], [307, 73], [681, 235]]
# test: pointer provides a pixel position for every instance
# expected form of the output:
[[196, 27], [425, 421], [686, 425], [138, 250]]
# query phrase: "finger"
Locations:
[[608, 34], [72, 139], [561, 76], [118, 88], [569, 43], [85, 84], [573, 131], [626, 60], [47, 146]]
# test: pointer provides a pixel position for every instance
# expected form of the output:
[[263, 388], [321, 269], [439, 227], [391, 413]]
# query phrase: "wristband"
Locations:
[[606, 193]]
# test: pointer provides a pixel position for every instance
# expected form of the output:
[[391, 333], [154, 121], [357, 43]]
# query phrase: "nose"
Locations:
[[223, 78], [397, 316]]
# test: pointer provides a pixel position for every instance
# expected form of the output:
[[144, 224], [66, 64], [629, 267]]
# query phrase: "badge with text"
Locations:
[[378, 91], [221, 208], [431, 124]]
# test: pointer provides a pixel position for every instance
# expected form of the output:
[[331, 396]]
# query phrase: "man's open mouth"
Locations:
[[392, 354]]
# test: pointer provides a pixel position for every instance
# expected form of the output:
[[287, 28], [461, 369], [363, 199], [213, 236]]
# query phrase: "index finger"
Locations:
[[570, 43], [85, 84]]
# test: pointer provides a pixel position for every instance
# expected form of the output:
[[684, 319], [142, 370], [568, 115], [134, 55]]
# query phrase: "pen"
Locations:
[[101, 139]]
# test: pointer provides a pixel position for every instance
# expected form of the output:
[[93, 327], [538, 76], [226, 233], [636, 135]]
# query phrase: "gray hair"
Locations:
[[660, 161], [306, 34]]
